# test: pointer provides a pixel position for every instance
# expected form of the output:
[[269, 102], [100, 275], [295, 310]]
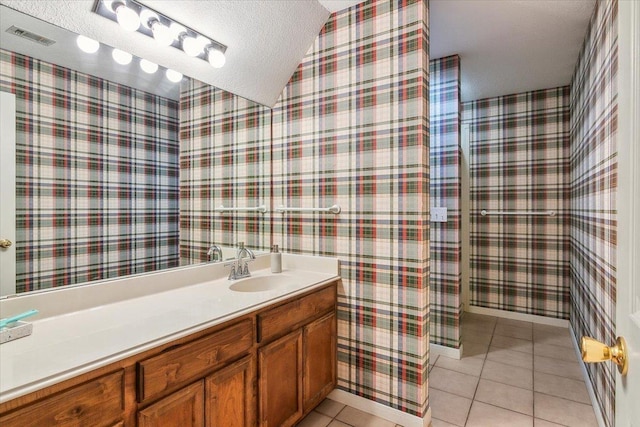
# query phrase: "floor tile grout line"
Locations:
[[555, 422], [563, 398], [476, 390], [513, 349], [503, 408], [484, 361], [561, 376], [458, 372]]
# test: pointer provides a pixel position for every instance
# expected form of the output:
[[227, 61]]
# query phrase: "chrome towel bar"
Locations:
[[335, 209], [261, 209], [485, 212]]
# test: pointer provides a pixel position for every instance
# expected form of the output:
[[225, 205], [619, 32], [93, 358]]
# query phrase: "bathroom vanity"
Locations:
[[267, 364]]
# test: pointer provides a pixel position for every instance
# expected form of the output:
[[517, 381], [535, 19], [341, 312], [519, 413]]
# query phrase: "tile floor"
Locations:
[[512, 374], [333, 414]]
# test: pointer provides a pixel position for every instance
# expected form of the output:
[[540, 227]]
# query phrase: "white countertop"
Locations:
[[84, 328]]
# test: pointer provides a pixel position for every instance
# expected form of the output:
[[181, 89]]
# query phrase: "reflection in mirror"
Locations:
[[99, 191], [225, 159], [96, 176]]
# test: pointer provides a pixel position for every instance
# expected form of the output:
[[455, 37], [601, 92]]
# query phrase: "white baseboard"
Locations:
[[543, 320], [443, 350], [587, 381], [380, 410]]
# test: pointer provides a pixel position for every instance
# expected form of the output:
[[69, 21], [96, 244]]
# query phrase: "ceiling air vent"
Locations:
[[30, 36]]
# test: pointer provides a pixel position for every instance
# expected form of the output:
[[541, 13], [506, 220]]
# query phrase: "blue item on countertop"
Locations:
[[9, 320]]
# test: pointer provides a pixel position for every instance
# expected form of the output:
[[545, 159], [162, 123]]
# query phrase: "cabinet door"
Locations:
[[184, 408], [319, 358], [230, 395], [280, 384]]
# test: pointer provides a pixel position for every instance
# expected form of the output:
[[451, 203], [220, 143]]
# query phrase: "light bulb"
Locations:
[[148, 66], [173, 75], [87, 45], [127, 18], [121, 57], [177, 30], [203, 41], [216, 57], [191, 46], [162, 33], [148, 17]]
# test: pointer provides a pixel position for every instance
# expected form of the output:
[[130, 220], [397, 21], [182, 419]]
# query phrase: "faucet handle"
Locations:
[[233, 273], [245, 269]]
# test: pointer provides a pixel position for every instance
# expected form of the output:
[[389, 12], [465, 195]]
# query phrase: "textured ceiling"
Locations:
[[505, 46], [512, 46], [266, 39]]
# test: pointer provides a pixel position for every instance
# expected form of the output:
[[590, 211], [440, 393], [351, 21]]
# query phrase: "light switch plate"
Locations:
[[438, 214]]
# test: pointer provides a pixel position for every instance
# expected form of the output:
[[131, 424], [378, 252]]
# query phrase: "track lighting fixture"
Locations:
[[124, 58], [134, 16]]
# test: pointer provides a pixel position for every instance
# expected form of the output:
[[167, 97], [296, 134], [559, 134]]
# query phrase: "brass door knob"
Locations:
[[5, 243], [594, 352]]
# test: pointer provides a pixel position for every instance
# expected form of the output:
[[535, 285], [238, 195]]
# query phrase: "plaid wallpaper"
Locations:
[[351, 127], [96, 178], [225, 157], [444, 137], [519, 162], [593, 191]]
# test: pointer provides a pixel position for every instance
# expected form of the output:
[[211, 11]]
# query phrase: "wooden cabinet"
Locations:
[[184, 408], [280, 384], [267, 368], [225, 398], [99, 402], [297, 370], [319, 360], [193, 360], [291, 315], [231, 395]]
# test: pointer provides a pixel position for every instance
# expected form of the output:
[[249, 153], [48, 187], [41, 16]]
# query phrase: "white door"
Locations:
[[628, 253], [7, 194]]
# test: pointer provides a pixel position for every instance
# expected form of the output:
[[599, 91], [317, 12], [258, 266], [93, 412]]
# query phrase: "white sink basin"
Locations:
[[262, 283]]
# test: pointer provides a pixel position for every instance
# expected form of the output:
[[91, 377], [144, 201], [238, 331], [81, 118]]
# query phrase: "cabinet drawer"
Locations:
[[192, 360], [280, 320], [99, 402]]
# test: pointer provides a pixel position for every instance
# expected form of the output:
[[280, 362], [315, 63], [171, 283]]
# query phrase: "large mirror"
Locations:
[[119, 171]]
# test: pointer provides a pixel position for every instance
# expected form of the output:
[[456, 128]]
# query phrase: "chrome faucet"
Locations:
[[240, 269], [214, 253], [242, 251]]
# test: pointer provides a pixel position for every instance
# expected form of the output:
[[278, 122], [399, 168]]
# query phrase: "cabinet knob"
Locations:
[[5, 243]]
